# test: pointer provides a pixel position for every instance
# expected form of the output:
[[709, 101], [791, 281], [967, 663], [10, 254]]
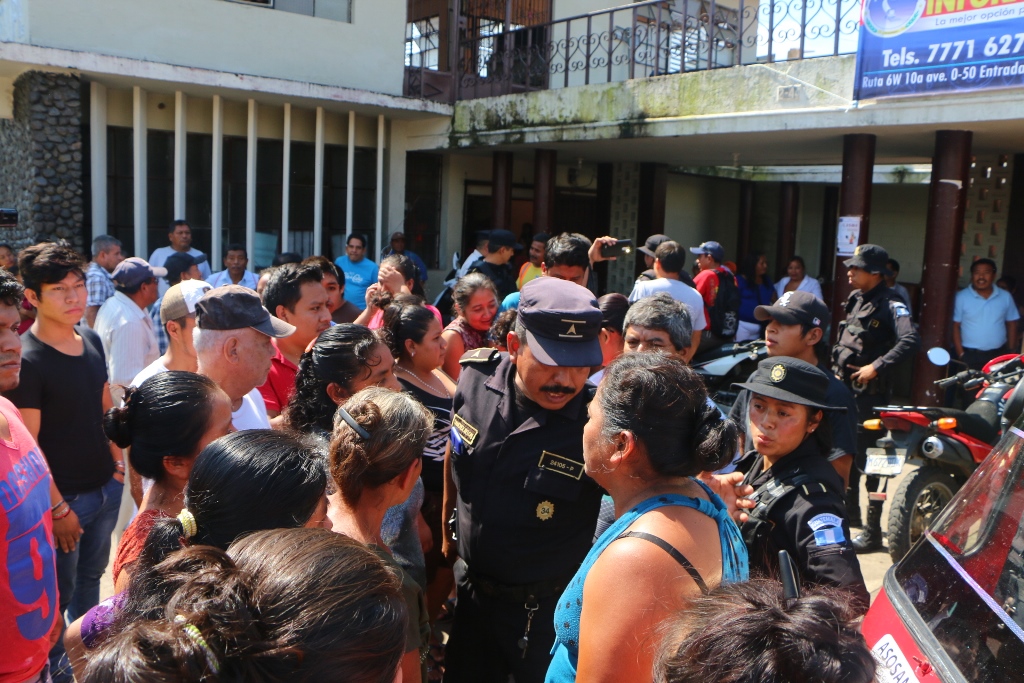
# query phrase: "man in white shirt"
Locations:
[[123, 324], [178, 317], [233, 344], [236, 261], [180, 237], [669, 261]]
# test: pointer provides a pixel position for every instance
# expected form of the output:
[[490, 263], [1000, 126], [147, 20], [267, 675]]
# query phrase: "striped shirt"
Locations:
[[128, 338]]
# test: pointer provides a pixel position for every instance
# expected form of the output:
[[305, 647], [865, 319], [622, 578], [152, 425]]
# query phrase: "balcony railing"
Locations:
[[643, 39]]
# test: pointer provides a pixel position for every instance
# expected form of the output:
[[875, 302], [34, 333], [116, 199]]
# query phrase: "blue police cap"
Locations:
[[562, 322]]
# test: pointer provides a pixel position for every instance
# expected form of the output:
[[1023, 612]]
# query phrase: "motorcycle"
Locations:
[[720, 367], [947, 444]]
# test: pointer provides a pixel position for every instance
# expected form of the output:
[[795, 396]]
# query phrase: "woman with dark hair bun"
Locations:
[[652, 430], [341, 361], [376, 458], [165, 422], [290, 605], [243, 482]]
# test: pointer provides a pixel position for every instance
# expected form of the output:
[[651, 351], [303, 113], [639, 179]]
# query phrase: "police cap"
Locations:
[[792, 380], [562, 322], [869, 257]]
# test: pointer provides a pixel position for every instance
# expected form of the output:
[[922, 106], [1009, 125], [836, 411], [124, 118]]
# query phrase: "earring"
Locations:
[[412, 354]]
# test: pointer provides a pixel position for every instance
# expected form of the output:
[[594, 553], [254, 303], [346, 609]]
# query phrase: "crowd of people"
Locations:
[[327, 471]]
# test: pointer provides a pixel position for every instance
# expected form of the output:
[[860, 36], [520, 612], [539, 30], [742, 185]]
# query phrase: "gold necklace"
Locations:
[[423, 384]]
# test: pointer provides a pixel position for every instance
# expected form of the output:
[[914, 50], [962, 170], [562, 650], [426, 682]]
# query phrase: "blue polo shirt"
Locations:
[[983, 321], [358, 276]]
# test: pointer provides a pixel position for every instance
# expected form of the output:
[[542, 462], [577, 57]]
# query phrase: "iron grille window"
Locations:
[[422, 43], [336, 10]]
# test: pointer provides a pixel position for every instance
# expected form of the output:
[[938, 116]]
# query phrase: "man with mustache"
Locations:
[[526, 511]]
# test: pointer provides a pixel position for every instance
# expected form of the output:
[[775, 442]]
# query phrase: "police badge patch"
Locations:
[[778, 373], [545, 511]]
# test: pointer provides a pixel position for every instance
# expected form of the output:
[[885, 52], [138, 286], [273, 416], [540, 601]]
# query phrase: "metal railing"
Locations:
[[651, 38]]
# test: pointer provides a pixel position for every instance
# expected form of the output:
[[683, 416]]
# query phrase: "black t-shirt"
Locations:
[[843, 425], [437, 442], [68, 392], [501, 276]]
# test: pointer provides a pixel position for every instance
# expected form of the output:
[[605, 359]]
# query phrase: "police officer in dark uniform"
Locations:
[[524, 509], [799, 496], [877, 335]]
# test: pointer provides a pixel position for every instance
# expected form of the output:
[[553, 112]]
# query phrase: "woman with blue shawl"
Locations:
[[652, 429]]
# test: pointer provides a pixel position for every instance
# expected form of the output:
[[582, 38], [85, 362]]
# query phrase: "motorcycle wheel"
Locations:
[[920, 498]]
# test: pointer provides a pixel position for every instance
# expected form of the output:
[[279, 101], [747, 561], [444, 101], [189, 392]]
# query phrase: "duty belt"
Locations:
[[517, 593]]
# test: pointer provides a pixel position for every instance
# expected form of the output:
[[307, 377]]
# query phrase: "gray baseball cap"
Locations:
[[233, 307], [134, 271]]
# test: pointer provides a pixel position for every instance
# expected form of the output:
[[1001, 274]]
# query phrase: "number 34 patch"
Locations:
[[828, 529]]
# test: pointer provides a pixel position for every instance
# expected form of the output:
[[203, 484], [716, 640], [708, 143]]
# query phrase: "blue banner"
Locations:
[[924, 47]]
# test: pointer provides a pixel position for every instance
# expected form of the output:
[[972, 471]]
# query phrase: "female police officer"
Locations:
[[800, 506]]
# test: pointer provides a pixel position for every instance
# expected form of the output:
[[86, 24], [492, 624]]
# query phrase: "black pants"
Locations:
[[483, 645], [976, 358], [865, 439]]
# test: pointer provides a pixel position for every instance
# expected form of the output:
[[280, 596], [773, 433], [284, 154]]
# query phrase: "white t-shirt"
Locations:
[[680, 291], [252, 414], [159, 257], [154, 368]]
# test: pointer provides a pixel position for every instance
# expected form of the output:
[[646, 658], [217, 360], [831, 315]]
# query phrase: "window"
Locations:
[[120, 195], [336, 10], [421, 43], [159, 187], [199, 190]]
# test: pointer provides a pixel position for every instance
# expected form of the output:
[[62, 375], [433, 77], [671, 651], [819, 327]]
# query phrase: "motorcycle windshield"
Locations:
[[965, 577]]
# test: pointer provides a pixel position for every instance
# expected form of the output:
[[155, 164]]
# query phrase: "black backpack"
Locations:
[[724, 316]]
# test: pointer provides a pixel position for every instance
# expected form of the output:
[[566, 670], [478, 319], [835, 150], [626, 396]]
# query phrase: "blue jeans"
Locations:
[[79, 572]]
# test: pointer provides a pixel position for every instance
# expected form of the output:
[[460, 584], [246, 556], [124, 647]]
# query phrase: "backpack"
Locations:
[[724, 316]]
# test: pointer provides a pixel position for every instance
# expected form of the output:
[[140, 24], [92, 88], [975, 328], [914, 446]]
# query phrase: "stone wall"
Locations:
[[41, 160]]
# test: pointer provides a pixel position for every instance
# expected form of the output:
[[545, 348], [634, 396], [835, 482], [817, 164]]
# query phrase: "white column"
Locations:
[[250, 185], [349, 180], [379, 222], [217, 185], [318, 184], [98, 156], [139, 170], [180, 102], [286, 173]]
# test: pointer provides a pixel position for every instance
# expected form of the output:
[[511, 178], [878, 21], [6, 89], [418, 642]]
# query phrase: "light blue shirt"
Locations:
[[983, 321], [358, 277]]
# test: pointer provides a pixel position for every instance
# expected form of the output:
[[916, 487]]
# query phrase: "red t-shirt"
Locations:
[[280, 384], [28, 571], [706, 283]]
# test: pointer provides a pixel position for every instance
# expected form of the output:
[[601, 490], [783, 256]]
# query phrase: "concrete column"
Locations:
[[789, 210], [944, 234], [286, 177], [501, 192], [217, 186], [180, 137], [379, 194], [350, 176], [318, 183], [854, 200], [650, 210], [545, 162], [140, 176], [746, 217], [98, 157], [250, 183], [827, 257]]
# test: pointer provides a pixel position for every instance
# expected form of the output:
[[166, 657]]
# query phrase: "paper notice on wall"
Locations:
[[847, 235]]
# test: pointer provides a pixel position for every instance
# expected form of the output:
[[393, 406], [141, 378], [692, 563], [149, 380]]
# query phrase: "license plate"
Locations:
[[883, 463]]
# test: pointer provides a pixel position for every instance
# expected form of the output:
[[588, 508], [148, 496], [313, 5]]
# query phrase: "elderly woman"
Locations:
[[798, 280], [652, 429]]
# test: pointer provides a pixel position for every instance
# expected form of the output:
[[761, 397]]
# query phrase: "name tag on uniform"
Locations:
[[466, 430], [561, 464]]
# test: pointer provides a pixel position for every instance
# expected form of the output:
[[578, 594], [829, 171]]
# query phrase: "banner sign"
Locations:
[[923, 47]]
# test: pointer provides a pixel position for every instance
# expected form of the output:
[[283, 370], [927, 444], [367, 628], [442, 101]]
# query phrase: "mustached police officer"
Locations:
[[525, 511], [876, 335]]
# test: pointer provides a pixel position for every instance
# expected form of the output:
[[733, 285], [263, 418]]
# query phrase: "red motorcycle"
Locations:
[[947, 445]]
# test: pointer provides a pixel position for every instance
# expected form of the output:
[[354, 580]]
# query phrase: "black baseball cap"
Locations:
[[792, 380], [869, 257], [652, 244], [712, 249], [502, 238], [795, 308], [178, 262], [562, 322], [133, 271], [232, 307]]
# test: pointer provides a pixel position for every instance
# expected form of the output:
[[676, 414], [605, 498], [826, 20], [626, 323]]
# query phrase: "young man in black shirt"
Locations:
[[63, 395]]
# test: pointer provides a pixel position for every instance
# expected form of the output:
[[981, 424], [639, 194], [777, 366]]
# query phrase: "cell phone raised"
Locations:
[[620, 248]]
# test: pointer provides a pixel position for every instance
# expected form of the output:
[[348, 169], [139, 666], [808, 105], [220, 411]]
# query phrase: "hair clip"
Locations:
[[351, 421], [196, 636], [188, 522]]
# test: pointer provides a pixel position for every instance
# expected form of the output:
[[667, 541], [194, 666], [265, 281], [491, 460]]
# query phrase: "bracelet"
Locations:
[[119, 466], [62, 515], [54, 508]]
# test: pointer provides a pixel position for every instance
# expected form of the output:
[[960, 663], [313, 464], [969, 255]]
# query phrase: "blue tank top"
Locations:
[[570, 605]]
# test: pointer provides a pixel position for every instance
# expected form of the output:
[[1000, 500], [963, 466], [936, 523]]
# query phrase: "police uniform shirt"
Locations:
[[526, 509], [843, 426], [877, 331], [810, 523]]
